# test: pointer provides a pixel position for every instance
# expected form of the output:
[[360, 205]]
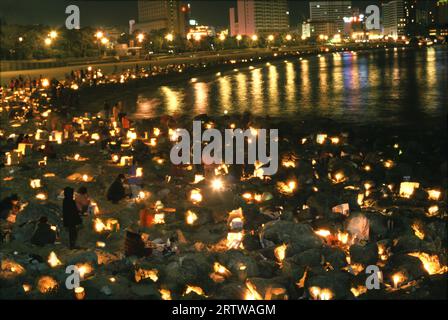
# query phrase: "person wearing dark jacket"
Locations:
[[70, 215], [9, 205], [116, 191], [43, 234]]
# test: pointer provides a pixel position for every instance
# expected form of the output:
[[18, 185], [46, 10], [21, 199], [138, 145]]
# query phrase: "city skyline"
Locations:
[[118, 13]]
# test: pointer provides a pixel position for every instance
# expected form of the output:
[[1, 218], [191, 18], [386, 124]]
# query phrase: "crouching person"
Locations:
[[43, 234]]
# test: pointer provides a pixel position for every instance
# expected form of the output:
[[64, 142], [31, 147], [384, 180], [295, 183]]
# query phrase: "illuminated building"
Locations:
[[394, 19], [327, 17], [200, 32], [170, 15], [254, 17]]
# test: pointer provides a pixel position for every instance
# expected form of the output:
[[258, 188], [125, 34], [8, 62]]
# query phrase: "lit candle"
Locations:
[[80, 293]]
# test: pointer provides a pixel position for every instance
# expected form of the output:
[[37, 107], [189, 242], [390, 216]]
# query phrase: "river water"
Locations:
[[384, 86]]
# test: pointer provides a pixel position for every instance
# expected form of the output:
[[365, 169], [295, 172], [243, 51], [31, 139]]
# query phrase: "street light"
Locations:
[[271, 37], [222, 37], [99, 34], [104, 40], [20, 39], [53, 34], [254, 37], [140, 37], [238, 39], [288, 37], [47, 41], [169, 37]]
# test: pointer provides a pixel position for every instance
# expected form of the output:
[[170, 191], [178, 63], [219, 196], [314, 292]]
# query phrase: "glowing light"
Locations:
[[320, 138], [53, 34], [191, 217], [251, 292], [165, 294], [434, 194], [398, 278], [45, 83], [407, 189], [217, 185], [140, 37], [35, 183], [195, 196], [322, 233], [418, 231], [41, 196], [431, 263], [195, 289], [53, 260], [280, 252]]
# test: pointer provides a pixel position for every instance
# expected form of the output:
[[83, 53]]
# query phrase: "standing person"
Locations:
[[106, 109], [115, 112], [71, 217]]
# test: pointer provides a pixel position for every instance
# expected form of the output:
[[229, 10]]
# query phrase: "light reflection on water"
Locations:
[[385, 86]]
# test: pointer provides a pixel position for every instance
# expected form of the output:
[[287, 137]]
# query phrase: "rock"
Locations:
[[189, 269], [335, 256], [378, 226], [308, 258], [83, 257], [299, 236], [106, 290], [239, 264], [145, 290], [365, 255], [338, 282]]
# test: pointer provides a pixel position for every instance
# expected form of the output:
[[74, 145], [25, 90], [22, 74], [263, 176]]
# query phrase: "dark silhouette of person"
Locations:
[[70, 215], [116, 191], [9, 205], [43, 234]]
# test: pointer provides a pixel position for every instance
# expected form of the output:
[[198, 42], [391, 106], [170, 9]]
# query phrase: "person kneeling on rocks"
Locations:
[[43, 234], [116, 191]]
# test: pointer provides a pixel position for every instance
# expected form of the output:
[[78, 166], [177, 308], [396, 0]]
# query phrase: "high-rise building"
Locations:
[[259, 17], [420, 17], [327, 17], [169, 15], [440, 27], [394, 18], [442, 12]]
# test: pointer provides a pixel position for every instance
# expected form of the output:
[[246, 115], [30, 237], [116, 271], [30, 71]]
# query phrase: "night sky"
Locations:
[[119, 12]]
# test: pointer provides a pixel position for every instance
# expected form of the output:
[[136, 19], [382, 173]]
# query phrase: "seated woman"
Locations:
[[43, 234], [82, 200]]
